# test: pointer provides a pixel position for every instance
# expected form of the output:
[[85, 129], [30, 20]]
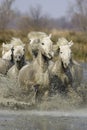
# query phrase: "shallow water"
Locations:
[[34, 120], [45, 120]]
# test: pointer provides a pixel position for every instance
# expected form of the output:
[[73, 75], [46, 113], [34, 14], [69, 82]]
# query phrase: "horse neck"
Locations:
[[42, 62], [20, 64], [60, 64]]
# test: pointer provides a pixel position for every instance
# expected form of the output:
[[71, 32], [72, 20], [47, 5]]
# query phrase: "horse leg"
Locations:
[[35, 97]]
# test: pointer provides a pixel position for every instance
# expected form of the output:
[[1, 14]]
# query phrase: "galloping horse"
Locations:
[[36, 74], [60, 73]]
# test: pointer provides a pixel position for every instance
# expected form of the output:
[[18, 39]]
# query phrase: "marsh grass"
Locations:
[[79, 38], [79, 48]]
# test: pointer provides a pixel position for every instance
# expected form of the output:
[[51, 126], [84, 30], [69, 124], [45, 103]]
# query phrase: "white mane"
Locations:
[[7, 55], [36, 35], [62, 41], [6, 48], [36, 38], [16, 41]]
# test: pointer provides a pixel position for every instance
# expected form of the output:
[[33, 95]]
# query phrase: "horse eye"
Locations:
[[42, 43], [61, 52], [23, 49]]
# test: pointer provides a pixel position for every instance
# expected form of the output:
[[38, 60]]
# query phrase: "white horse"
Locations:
[[6, 51], [66, 57], [65, 53], [6, 48], [65, 71], [36, 74], [19, 61], [7, 61], [34, 38]]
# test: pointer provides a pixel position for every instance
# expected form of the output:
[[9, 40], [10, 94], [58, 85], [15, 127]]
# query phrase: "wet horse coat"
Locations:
[[61, 76], [36, 74]]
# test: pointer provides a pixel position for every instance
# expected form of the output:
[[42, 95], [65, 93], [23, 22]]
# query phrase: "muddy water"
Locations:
[[34, 120]]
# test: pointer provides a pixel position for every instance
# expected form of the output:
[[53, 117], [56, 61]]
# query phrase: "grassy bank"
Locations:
[[79, 48]]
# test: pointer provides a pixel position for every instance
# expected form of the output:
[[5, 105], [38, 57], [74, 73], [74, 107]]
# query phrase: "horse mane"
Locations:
[[62, 41], [36, 35], [16, 41]]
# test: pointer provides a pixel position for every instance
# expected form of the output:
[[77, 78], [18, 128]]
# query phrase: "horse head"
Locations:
[[64, 49], [46, 47], [19, 52]]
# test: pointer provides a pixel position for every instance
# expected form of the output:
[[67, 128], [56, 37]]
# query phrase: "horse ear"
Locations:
[[50, 35], [3, 45], [70, 43]]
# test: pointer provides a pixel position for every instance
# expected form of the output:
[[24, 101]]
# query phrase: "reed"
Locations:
[[79, 38]]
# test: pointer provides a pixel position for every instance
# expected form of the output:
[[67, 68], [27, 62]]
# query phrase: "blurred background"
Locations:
[[65, 18]]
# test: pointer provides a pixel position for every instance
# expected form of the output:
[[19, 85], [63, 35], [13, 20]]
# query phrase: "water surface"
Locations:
[[43, 120]]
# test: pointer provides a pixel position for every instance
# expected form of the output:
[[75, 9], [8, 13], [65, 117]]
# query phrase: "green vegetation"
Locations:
[[79, 48]]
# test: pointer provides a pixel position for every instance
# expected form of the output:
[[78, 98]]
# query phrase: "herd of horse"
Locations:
[[45, 73]]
